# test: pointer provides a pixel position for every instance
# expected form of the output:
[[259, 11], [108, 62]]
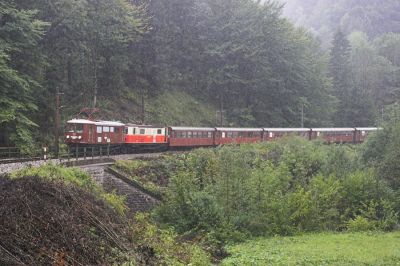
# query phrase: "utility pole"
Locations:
[[57, 123], [142, 107], [221, 123]]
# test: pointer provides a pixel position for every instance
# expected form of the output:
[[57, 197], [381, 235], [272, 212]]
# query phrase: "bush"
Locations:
[[160, 247], [284, 187], [360, 224]]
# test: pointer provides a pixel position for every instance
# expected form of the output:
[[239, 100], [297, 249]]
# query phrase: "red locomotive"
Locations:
[[87, 132]]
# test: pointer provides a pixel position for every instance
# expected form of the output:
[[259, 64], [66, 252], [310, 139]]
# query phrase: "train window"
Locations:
[[142, 131], [174, 135], [159, 131], [126, 131], [112, 129], [71, 128], [184, 135], [116, 130], [189, 134], [210, 135], [99, 130], [106, 129], [79, 128], [195, 135]]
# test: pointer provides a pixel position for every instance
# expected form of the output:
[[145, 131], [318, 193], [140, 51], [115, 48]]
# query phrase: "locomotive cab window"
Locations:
[[71, 128], [99, 129], [79, 128], [112, 129], [106, 129]]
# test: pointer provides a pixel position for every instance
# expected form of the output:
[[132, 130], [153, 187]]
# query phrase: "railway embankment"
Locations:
[[136, 197], [55, 215]]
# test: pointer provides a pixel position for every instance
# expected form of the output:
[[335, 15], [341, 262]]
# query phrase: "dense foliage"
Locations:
[[324, 17], [363, 38], [140, 60], [278, 188]]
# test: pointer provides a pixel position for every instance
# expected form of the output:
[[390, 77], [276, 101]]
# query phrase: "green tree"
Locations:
[[339, 70], [20, 33]]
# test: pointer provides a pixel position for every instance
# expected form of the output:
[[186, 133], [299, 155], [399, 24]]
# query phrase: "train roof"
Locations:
[[143, 126], [287, 129], [97, 123], [338, 129], [192, 128], [239, 129], [368, 128]]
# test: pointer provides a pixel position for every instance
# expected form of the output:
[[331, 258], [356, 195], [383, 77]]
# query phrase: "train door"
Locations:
[[106, 134], [99, 134], [91, 137]]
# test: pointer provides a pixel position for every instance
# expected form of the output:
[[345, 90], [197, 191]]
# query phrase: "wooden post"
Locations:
[[57, 124]]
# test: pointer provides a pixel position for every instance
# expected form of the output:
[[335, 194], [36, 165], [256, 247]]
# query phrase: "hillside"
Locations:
[[325, 17]]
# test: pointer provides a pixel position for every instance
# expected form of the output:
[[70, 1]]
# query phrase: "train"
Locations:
[[130, 137]]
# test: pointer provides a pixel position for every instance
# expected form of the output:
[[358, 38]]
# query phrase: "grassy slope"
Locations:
[[166, 108], [319, 249]]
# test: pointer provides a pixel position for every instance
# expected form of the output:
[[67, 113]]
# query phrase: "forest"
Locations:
[[196, 63]]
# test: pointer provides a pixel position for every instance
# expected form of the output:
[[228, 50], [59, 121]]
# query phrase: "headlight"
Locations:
[[67, 136], [79, 137]]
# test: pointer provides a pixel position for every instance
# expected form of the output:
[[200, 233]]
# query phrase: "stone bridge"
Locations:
[[136, 199]]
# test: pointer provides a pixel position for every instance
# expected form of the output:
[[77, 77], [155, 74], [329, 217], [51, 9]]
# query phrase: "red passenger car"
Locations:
[[86, 132], [237, 135], [363, 132], [334, 135], [191, 136], [276, 133]]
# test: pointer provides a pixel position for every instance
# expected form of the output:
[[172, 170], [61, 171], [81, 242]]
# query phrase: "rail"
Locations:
[[9, 152], [14, 155]]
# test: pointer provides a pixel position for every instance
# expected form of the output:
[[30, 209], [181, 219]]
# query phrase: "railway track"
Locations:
[[10, 165]]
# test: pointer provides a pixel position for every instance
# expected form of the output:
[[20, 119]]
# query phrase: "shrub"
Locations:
[[360, 224], [284, 187]]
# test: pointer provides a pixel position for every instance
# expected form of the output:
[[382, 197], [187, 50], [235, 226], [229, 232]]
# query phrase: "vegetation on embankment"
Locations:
[[152, 175], [287, 187], [55, 215], [319, 249]]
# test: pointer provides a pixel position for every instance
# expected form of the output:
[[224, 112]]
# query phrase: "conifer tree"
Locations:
[[339, 70]]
